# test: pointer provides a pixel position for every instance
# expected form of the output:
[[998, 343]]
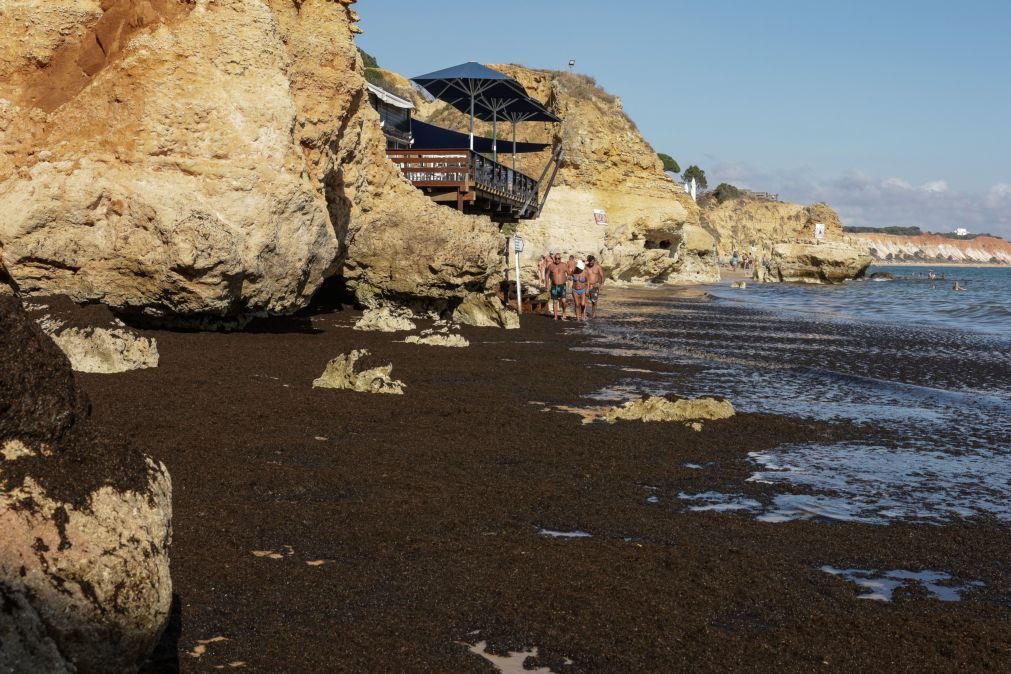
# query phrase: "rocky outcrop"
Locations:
[[757, 225], [689, 411], [818, 263], [933, 248], [609, 167], [385, 319], [345, 372], [92, 338], [439, 338], [197, 158], [784, 233], [687, 256], [485, 311], [86, 521], [102, 351]]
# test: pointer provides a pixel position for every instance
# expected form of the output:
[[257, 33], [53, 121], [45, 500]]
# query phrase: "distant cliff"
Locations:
[[929, 248]]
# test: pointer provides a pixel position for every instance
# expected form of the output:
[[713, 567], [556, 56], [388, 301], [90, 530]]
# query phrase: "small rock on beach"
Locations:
[[341, 373]]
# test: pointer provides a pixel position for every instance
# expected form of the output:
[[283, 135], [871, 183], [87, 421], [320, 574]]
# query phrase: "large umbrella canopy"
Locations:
[[473, 88], [525, 110], [429, 136]]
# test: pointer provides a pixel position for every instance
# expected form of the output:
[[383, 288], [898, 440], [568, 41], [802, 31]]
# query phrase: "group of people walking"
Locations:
[[575, 278]]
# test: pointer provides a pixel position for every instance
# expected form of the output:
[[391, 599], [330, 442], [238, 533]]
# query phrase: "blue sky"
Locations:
[[895, 112]]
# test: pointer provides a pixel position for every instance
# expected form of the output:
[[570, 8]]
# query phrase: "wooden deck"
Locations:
[[469, 181]]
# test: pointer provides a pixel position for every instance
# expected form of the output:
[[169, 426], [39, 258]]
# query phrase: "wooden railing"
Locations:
[[466, 170]]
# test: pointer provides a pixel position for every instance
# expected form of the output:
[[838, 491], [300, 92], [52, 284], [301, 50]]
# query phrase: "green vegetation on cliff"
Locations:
[[698, 174], [374, 74], [894, 231], [669, 164]]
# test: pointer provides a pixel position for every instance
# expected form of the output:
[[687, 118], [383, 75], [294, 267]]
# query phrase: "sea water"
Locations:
[[927, 368], [911, 298]]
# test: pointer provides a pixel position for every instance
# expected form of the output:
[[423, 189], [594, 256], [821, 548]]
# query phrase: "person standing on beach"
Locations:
[[558, 273], [595, 277], [542, 269], [580, 286]]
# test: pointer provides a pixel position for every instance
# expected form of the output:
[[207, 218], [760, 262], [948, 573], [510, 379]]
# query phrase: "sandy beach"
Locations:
[[321, 530]]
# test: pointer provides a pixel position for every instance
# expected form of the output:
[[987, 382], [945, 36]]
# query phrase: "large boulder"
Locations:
[[818, 263], [485, 311], [180, 158], [86, 521]]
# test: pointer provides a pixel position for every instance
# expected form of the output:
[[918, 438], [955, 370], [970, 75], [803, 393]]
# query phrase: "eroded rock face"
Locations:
[[385, 319], [687, 255], [485, 311], [159, 173], [398, 246], [344, 372], [202, 159], [86, 521], [745, 223], [818, 263]]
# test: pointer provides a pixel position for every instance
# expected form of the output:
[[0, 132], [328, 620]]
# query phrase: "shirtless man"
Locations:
[[595, 277], [542, 269], [580, 286], [558, 274]]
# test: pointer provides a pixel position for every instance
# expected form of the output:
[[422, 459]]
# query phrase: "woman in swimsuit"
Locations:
[[580, 284]]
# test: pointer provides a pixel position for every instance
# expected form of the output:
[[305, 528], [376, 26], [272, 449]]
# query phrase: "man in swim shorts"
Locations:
[[595, 277], [558, 274]]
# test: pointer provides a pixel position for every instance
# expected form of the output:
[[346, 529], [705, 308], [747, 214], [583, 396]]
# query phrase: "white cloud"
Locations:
[[864, 200], [898, 183]]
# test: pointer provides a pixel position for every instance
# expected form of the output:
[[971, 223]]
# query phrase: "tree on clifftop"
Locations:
[[668, 163], [694, 171], [725, 192]]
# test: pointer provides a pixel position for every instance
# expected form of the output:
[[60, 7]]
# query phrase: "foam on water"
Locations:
[[881, 585], [550, 533], [942, 396], [718, 502]]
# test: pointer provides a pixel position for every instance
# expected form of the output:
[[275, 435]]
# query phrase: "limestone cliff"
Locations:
[[784, 233], [652, 232], [928, 248], [746, 224], [208, 158]]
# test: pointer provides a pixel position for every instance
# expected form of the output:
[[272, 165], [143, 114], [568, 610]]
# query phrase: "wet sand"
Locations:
[[322, 530]]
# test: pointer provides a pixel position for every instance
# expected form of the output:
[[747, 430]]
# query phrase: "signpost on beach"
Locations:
[[819, 231], [518, 247], [599, 216]]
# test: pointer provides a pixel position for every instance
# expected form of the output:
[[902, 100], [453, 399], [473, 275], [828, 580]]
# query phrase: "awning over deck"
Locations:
[[387, 97], [428, 136]]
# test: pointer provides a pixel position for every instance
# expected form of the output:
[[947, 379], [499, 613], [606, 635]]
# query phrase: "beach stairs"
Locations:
[[535, 299]]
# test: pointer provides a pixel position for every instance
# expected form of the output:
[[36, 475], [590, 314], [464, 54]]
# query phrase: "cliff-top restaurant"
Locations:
[[461, 169]]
